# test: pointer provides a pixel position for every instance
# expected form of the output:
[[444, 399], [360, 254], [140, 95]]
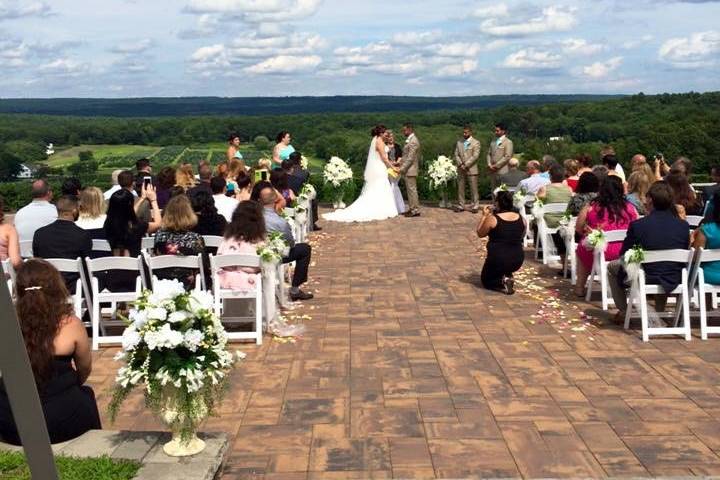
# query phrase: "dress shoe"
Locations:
[[315, 228], [475, 209], [300, 295], [458, 209]]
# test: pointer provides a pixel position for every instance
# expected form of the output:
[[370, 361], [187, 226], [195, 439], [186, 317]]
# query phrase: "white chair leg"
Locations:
[[95, 323], [603, 285], [258, 315], [703, 310], [686, 312], [589, 282], [642, 298]]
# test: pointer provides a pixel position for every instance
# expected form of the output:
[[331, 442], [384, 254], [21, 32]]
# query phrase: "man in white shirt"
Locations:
[[225, 205], [116, 185], [36, 214], [535, 180]]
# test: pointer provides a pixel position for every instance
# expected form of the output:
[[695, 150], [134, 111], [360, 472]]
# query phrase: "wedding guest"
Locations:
[[514, 175], [165, 183], [612, 163], [709, 191], [499, 154], [282, 149], [571, 173], [185, 177], [36, 214], [394, 153], [638, 185], [661, 166], [143, 170], [92, 209], [9, 240], [233, 151], [639, 164], [242, 237], [295, 177], [225, 205], [115, 184], [279, 180], [301, 253], [60, 357], [467, 153], [556, 192], [535, 180], [123, 229], [236, 168], [299, 176], [505, 230], [221, 170], [660, 229], [71, 186], [686, 200], [547, 162], [682, 165], [176, 237], [606, 151], [585, 163], [204, 177], [708, 236], [210, 222], [587, 190], [244, 191], [601, 172], [609, 211]]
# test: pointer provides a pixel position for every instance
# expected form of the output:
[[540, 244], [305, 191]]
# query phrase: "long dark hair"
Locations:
[[41, 307], [611, 200], [120, 218], [281, 135], [588, 183], [504, 202], [279, 180], [378, 130], [248, 223], [682, 191], [203, 203]]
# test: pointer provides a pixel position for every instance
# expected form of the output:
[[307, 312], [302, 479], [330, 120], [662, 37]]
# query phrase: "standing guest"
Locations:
[[244, 192], [115, 184], [708, 236], [236, 168], [242, 237], [612, 163], [92, 209], [301, 253], [505, 229], [295, 179], [9, 241], [409, 169], [499, 154], [176, 237], [71, 186], [609, 211], [535, 180], [64, 239], [299, 176], [143, 170], [514, 175], [571, 173], [59, 352], [682, 165], [210, 222], [225, 205], [586, 191], [638, 185], [185, 177], [233, 151], [607, 151], [709, 191], [686, 200], [165, 183], [585, 163], [123, 229], [467, 153], [279, 180], [204, 177], [36, 214], [660, 229], [282, 149]]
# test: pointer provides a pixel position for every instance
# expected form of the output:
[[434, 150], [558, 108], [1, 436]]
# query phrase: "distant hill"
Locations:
[[164, 107]]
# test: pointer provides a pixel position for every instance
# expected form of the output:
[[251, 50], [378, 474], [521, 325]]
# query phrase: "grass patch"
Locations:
[[14, 467]]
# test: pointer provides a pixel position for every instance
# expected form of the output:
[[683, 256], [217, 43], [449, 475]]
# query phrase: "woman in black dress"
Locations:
[[59, 351], [505, 229]]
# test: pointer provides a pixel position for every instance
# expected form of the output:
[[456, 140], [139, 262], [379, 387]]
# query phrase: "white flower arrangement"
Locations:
[[337, 172], [596, 240], [441, 171], [632, 259], [304, 162], [537, 209], [274, 249], [308, 192], [519, 199]]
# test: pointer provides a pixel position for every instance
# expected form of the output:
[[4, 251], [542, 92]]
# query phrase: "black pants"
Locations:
[[300, 254], [559, 242], [314, 206], [500, 262]]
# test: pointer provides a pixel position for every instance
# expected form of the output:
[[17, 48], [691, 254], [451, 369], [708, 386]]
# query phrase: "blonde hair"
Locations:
[[235, 166], [91, 202], [184, 176], [178, 215], [639, 183], [264, 164], [571, 167]]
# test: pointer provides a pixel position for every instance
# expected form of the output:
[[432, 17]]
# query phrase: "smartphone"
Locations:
[[230, 190], [147, 181], [264, 175]]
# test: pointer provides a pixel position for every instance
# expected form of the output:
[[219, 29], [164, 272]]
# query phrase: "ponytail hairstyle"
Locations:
[[378, 130], [41, 307]]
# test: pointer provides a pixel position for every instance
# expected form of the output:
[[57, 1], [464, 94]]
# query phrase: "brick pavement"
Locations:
[[409, 370]]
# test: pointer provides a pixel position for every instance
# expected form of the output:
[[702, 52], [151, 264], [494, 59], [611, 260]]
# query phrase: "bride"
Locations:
[[377, 200]]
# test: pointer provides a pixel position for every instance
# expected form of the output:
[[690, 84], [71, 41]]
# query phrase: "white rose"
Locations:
[[157, 313], [139, 318], [167, 290], [177, 317], [192, 339], [130, 338]]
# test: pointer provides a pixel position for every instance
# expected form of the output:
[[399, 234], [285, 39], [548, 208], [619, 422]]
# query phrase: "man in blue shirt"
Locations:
[[38, 213], [300, 253]]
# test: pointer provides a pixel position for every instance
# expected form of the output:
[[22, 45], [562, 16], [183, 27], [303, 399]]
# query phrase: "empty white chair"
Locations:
[[110, 264], [212, 241], [640, 289], [26, 248], [64, 265], [704, 289], [175, 261], [545, 242], [599, 269], [220, 294]]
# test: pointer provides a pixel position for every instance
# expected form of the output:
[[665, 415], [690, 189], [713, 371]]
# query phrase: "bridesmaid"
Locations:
[[282, 149], [233, 150]]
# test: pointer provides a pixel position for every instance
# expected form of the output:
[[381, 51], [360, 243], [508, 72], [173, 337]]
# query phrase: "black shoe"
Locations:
[[315, 228], [300, 295], [458, 209], [475, 209], [413, 214], [508, 285]]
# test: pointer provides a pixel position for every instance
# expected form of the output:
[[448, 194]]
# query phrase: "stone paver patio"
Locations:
[[409, 370]]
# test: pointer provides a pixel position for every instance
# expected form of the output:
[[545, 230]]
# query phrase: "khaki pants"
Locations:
[[619, 291], [474, 192], [412, 193]]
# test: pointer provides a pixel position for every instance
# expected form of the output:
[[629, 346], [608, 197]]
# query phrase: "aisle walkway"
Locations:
[[409, 370]]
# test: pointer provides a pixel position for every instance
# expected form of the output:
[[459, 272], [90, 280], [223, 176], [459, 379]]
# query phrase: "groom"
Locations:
[[409, 169]]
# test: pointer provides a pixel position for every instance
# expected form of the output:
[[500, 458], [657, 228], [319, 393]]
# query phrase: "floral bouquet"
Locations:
[[441, 171], [177, 347], [632, 259], [274, 249], [304, 162], [308, 192], [596, 241], [338, 174], [565, 229], [537, 209], [519, 199]]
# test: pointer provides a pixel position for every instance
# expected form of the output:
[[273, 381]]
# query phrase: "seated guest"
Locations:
[[514, 175], [709, 191], [708, 236], [9, 242], [143, 170], [556, 192], [244, 192], [123, 230], [225, 205], [585, 163], [210, 222], [609, 211], [236, 168], [185, 177], [601, 172], [165, 183], [299, 252], [242, 237], [59, 352], [115, 184], [638, 185], [204, 176], [571, 173], [686, 200], [505, 230], [535, 180], [587, 189], [176, 237], [297, 177], [92, 212], [612, 164], [36, 214], [547, 162], [71, 186], [639, 164], [661, 229], [63, 239], [279, 180]]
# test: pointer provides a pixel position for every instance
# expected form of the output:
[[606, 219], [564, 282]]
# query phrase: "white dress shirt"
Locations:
[[225, 205], [32, 216]]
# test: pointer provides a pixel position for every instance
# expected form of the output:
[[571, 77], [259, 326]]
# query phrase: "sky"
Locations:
[[239, 48]]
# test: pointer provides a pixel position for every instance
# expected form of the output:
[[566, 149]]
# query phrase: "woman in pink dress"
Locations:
[[242, 236], [609, 211]]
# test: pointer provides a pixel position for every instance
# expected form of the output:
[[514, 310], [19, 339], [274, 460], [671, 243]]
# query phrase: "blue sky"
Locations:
[[130, 48]]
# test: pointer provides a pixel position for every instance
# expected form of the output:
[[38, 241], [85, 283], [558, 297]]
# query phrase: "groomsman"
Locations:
[[500, 153], [409, 169], [467, 153]]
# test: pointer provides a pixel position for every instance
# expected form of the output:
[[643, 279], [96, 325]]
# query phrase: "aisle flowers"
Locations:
[[304, 163], [177, 348], [596, 241], [519, 199], [441, 171], [537, 209], [632, 259], [338, 174]]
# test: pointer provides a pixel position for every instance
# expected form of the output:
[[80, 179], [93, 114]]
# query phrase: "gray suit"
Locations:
[[409, 170], [498, 156], [467, 158]]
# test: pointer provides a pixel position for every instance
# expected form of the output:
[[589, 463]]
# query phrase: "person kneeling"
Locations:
[[505, 228], [300, 253]]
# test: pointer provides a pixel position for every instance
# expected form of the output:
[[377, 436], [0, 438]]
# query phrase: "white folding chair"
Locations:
[[99, 245], [694, 220], [212, 241], [175, 261], [705, 256], [570, 264], [106, 264], [290, 213], [26, 248], [545, 242], [64, 265], [147, 244], [528, 238], [9, 272], [220, 294], [599, 270], [640, 289]]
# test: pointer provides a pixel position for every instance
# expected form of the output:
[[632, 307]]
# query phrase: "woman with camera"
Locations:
[[505, 229]]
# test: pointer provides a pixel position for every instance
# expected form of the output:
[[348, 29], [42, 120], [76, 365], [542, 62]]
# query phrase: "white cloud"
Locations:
[[66, 67], [134, 46], [552, 19], [257, 11], [600, 70], [10, 10], [532, 59], [285, 64], [702, 48], [630, 44], [459, 69], [580, 46], [458, 49], [416, 38], [492, 11]]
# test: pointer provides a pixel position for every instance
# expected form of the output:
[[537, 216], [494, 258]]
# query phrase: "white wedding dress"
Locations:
[[376, 201]]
